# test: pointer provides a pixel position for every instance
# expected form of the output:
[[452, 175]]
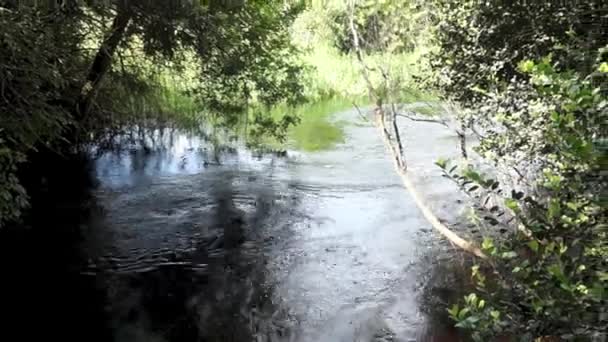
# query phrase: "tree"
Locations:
[[530, 79], [50, 79]]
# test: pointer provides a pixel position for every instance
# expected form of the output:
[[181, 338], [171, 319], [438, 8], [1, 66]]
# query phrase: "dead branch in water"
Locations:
[[425, 209], [395, 147]]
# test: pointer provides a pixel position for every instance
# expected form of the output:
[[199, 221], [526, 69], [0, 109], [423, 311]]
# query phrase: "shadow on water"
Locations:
[[140, 244]]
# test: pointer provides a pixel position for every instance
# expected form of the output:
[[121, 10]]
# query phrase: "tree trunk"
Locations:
[[425, 209], [102, 63], [395, 147]]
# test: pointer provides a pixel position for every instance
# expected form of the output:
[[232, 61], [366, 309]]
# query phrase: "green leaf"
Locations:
[[463, 313], [487, 244], [526, 66], [442, 163], [554, 209], [533, 245], [509, 255], [556, 271], [471, 298], [453, 311], [512, 204], [603, 67]]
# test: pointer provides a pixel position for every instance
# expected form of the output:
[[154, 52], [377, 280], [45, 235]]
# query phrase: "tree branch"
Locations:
[[102, 62]]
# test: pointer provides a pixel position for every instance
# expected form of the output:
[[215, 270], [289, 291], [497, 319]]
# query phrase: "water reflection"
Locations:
[[183, 256]]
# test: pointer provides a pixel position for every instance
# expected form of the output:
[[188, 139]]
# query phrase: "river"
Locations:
[[187, 243]]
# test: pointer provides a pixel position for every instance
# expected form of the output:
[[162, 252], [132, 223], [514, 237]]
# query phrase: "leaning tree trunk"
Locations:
[[427, 212], [102, 63], [395, 147]]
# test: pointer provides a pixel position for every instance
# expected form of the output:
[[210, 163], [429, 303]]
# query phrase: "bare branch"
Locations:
[[418, 119], [360, 112]]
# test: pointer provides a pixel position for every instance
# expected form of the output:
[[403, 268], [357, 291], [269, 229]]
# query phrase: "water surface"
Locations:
[[184, 242]]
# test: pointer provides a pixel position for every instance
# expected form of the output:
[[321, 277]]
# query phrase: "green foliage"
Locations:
[[33, 78], [538, 94], [322, 32], [254, 61], [383, 26], [13, 198], [36, 67], [480, 44], [84, 72]]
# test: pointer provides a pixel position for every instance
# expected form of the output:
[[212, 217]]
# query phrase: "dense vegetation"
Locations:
[[531, 79], [528, 79], [79, 74]]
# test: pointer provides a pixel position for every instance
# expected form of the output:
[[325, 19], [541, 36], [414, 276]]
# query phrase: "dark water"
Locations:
[[190, 243]]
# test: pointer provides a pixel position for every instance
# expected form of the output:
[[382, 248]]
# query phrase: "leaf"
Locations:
[[472, 175], [487, 244], [453, 311], [471, 298], [533, 245], [473, 188], [509, 255], [442, 163], [556, 271], [554, 209], [526, 66], [463, 313], [512, 204], [485, 202]]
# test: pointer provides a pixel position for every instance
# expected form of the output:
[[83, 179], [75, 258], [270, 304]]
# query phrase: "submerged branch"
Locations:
[[426, 210]]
